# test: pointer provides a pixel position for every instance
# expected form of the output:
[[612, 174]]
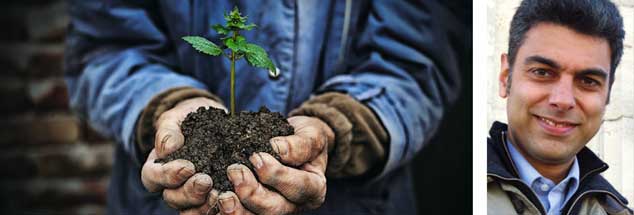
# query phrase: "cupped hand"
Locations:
[[295, 184], [182, 189]]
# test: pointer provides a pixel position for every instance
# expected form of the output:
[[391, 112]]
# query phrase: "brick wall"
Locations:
[[50, 161]]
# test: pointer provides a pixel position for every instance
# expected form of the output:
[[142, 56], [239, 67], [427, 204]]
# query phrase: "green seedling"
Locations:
[[234, 46]]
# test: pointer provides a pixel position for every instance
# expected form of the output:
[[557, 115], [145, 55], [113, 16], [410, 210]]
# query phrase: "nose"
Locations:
[[562, 97]]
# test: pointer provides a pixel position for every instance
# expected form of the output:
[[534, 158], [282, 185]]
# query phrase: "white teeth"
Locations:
[[551, 123]]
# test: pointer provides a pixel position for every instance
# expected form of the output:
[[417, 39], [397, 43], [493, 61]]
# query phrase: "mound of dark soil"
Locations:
[[214, 140]]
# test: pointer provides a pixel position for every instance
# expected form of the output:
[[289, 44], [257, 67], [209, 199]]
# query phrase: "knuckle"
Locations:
[[317, 202], [169, 200], [194, 199], [172, 179], [246, 194], [164, 117], [277, 209], [267, 177], [256, 200], [169, 114], [273, 179], [175, 172], [298, 147], [316, 143], [311, 140]]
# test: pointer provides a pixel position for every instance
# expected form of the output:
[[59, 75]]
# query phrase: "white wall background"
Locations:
[[614, 142]]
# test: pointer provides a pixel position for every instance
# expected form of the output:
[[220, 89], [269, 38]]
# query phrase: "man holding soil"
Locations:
[[556, 78], [365, 85]]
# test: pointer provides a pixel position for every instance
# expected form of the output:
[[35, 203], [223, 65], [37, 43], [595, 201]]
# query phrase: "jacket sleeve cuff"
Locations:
[[162, 102], [360, 142]]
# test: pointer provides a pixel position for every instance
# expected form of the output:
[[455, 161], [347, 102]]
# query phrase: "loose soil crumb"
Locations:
[[214, 140]]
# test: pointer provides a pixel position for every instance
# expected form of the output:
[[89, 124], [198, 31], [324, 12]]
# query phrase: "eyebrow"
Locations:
[[543, 60], [594, 72]]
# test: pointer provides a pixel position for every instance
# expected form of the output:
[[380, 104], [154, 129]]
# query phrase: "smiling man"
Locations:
[[556, 77]]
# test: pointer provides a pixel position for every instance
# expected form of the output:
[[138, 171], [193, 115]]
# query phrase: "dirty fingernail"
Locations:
[[235, 174], [174, 142], [256, 160], [213, 197], [279, 146], [227, 205], [185, 172], [163, 143], [201, 185]]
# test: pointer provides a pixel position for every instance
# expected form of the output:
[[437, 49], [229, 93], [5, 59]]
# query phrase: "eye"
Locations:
[[590, 82], [542, 73]]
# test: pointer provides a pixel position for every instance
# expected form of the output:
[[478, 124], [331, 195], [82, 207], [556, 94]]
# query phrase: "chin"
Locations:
[[554, 153], [556, 159]]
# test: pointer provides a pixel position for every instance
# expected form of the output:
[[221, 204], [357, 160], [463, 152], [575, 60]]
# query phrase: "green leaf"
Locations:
[[240, 26], [203, 45], [248, 27], [237, 45], [221, 29], [257, 56]]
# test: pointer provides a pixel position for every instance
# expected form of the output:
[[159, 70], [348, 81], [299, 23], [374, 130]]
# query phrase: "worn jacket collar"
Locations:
[[499, 164]]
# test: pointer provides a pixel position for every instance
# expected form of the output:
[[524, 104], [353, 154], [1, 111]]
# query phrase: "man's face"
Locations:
[[558, 92]]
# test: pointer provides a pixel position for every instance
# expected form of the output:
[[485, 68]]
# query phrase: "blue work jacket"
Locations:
[[392, 56]]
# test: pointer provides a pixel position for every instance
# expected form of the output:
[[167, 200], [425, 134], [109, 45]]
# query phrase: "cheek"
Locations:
[[592, 106], [593, 110], [526, 96]]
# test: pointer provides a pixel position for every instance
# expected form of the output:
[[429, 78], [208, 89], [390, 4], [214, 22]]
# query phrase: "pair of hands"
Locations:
[[300, 185]]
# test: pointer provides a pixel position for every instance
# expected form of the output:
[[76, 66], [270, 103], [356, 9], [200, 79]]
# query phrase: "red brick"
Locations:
[[92, 209], [46, 61], [49, 22], [89, 135], [32, 59], [54, 194], [48, 94], [58, 161], [13, 95], [29, 128], [77, 159]]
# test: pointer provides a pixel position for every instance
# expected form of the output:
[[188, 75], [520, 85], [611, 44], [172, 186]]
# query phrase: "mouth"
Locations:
[[556, 127]]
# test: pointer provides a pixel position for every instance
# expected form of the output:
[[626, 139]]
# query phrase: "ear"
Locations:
[[504, 74]]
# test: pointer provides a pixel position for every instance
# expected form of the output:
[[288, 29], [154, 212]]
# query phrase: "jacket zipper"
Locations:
[[594, 191], [503, 139], [539, 206], [576, 199]]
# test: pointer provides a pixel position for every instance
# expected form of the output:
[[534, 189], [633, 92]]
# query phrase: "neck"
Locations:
[[555, 171]]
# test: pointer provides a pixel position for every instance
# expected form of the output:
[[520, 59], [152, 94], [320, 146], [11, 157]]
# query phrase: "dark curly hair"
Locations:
[[598, 18]]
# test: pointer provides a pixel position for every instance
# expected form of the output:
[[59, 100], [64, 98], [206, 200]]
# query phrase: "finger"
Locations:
[[191, 105], [254, 195], [300, 148], [229, 204], [168, 136], [305, 187], [156, 176], [193, 193], [302, 123], [207, 208]]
